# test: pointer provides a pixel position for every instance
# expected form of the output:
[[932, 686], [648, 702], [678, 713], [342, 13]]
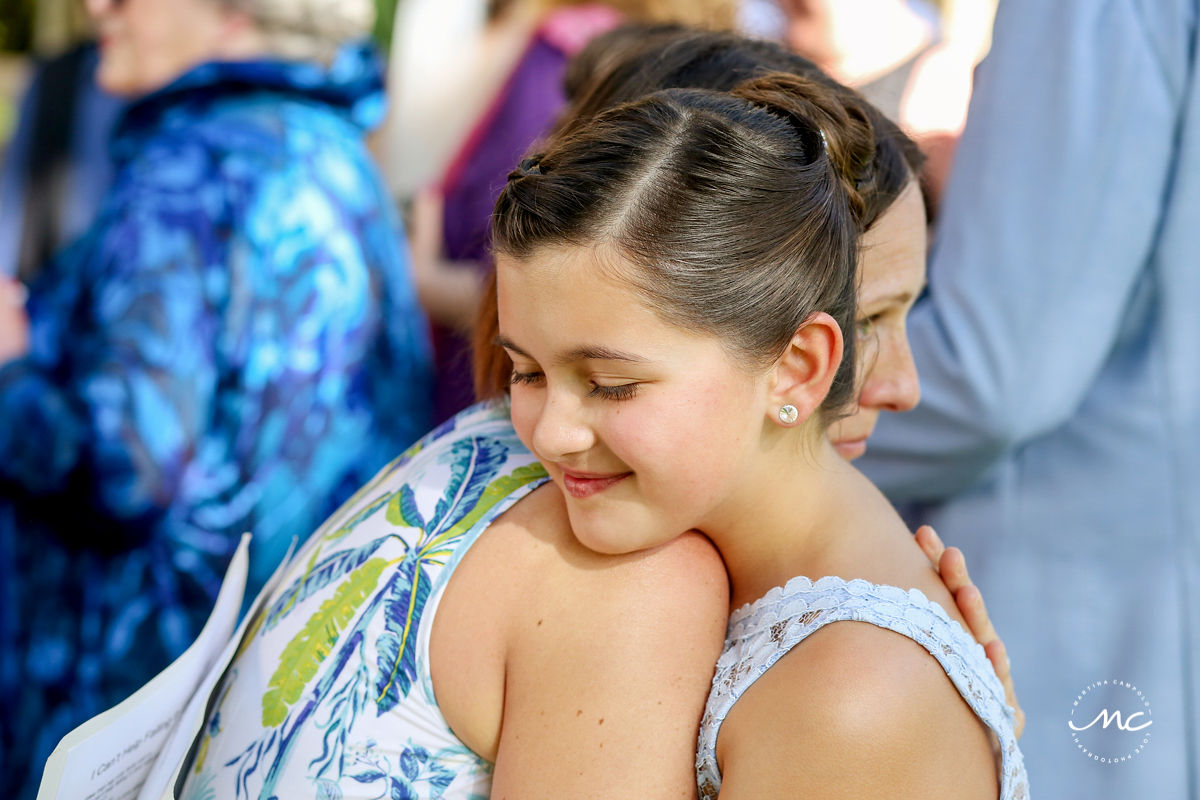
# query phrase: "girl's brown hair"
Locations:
[[734, 209], [635, 60]]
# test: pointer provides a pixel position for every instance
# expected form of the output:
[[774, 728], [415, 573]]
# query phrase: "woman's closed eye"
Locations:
[[866, 325]]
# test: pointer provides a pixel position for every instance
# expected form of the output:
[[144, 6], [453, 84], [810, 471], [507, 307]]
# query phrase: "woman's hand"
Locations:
[[952, 567], [14, 323]]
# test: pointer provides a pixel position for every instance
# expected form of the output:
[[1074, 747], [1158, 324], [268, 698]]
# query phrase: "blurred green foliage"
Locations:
[[385, 21]]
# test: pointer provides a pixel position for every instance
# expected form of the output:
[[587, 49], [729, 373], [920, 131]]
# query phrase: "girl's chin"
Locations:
[[609, 535]]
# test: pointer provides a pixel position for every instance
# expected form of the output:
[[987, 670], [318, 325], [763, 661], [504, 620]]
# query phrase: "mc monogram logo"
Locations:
[[1110, 721]]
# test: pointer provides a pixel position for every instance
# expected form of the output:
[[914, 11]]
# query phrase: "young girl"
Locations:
[[674, 280], [568, 669]]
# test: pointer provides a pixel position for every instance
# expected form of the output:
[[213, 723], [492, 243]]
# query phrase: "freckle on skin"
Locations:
[[601, 722], [579, 713], [539, 622]]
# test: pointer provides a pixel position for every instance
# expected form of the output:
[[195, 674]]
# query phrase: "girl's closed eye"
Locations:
[[518, 377], [623, 391]]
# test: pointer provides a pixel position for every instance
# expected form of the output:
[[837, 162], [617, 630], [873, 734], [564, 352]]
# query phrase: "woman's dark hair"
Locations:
[[738, 210], [634, 60]]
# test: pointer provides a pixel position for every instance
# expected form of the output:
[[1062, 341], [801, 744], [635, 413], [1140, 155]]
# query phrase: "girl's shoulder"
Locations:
[[604, 655], [857, 711], [908, 700]]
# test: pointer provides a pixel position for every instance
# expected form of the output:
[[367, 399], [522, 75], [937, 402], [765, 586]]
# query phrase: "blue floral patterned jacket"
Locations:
[[236, 345]]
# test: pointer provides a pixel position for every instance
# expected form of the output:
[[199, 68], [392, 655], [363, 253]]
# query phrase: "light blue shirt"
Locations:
[[1057, 437]]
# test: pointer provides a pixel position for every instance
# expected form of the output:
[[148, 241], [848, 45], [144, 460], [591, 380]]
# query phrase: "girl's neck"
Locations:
[[812, 514]]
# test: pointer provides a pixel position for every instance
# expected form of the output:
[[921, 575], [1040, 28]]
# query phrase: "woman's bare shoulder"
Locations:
[[855, 711]]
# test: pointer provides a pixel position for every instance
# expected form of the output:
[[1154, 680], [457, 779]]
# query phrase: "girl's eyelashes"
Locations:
[[624, 391], [524, 377]]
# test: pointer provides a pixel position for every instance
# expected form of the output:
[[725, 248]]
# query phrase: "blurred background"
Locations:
[[32, 29]]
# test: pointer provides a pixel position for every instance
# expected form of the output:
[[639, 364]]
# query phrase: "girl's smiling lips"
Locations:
[[585, 484]]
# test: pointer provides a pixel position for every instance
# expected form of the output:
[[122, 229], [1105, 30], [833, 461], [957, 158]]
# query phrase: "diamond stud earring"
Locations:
[[788, 414]]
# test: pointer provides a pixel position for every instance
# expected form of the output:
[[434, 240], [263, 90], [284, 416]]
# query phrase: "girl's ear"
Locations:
[[803, 374]]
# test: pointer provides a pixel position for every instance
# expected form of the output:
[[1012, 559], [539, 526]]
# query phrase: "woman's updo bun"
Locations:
[[842, 124]]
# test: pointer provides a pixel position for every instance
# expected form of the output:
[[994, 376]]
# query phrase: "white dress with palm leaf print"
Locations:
[[331, 695]]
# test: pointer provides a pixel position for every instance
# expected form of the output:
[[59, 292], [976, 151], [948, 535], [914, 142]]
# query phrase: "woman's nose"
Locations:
[[892, 384], [561, 429]]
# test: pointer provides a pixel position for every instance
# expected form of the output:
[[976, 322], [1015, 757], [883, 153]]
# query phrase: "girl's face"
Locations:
[[146, 44], [648, 429], [891, 276]]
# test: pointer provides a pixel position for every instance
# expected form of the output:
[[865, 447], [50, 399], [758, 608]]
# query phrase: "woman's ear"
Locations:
[[804, 372]]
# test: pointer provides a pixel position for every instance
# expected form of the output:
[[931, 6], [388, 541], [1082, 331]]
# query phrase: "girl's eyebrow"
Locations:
[[508, 344], [584, 353]]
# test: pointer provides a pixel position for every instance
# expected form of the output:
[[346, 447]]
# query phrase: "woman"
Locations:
[[516, 614], [234, 346]]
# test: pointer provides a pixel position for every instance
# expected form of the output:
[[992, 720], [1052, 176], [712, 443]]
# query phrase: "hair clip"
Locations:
[[531, 166]]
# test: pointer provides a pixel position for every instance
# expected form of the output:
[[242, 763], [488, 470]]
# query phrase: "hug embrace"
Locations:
[[698, 312]]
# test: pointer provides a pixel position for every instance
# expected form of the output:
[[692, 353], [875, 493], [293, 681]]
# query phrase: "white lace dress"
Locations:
[[761, 632]]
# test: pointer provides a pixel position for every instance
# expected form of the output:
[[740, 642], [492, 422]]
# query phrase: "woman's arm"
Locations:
[[450, 291], [14, 323]]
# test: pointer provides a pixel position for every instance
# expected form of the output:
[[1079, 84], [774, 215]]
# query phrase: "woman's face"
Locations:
[[146, 44], [644, 426], [891, 276]]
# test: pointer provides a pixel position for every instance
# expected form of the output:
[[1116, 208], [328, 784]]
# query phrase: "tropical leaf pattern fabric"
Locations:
[[331, 695], [235, 345]]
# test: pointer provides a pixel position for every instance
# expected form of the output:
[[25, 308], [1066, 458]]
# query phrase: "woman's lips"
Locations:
[[851, 449], [584, 484]]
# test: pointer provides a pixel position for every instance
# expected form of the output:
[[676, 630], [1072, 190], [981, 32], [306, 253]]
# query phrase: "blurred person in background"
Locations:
[[57, 168], [235, 345], [451, 221], [1059, 354], [910, 59]]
